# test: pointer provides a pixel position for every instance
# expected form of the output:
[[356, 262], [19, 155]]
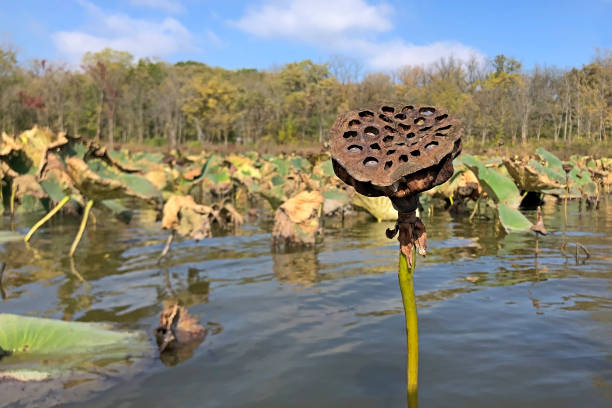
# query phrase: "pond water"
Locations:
[[324, 328]]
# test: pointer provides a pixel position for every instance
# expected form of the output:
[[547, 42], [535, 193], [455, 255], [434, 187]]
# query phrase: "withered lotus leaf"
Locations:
[[296, 222]]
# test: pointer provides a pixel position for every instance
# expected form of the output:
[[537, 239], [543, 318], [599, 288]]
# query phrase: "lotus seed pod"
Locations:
[[393, 149]]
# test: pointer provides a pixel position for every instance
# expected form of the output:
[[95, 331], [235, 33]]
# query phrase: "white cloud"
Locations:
[[140, 37], [395, 54], [316, 20], [170, 6], [349, 27]]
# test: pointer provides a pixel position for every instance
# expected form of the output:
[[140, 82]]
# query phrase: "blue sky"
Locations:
[[380, 35]]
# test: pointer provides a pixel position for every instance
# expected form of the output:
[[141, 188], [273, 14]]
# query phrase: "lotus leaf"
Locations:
[[50, 357], [160, 179], [36, 141], [300, 164], [183, 215], [551, 160], [533, 176], [282, 166], [512, 219], [324, 169], [380, 208], [296, 222], [101, 152], [64, 344], [100, 183], [29, 193], [8, 145], [334, 199], [500, 188]]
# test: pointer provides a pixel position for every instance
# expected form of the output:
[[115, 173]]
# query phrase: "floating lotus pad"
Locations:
[[64, 345]]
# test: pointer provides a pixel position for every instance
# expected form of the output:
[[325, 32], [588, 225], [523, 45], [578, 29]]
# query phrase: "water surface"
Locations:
[[324, 327]]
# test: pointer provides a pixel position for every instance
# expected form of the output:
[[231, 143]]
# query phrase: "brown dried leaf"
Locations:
[[28, 185], [177, 328], [182, 214], [296, 222], [7, 145], [193, 174]]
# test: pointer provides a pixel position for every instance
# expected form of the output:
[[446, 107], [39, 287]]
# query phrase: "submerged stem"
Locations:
[[406, 275], [46, 218]]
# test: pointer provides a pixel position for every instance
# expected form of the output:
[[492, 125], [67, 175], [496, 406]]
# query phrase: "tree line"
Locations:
[[117, 99]]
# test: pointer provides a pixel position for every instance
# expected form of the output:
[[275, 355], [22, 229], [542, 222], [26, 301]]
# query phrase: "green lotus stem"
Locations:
[[406, 283], [77, 239], [46, 218]]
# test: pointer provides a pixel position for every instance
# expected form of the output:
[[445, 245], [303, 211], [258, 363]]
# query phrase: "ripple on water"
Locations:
[[324, 327]]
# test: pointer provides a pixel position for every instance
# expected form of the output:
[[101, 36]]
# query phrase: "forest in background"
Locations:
[[120, 100]]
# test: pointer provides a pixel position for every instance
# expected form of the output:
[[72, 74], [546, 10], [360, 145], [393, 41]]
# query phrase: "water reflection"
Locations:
[[188, 291], [296, 266]]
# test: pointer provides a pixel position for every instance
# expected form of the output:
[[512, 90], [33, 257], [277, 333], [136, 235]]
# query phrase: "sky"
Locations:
[[263, 34]]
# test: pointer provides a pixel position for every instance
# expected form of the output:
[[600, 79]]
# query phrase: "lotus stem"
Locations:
[[46, 218], [406, 282], [79, 235], [167, 247], [12, 202], [476, 208], [584, 249], [2, 294], [75, 272]]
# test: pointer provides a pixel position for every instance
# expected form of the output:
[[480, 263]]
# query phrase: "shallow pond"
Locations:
[[324, 328]]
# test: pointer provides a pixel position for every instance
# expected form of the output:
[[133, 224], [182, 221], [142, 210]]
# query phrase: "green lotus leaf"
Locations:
[[98, 181], [500, 188], [300, 164], [277, 180], [43, 344], [282, 167], [217, 174], [274, 196], [551, 160], [324, 169], [53, 189], [513, 220]]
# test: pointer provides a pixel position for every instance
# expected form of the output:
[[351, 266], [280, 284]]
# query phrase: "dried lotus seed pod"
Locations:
[[394, 149]]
